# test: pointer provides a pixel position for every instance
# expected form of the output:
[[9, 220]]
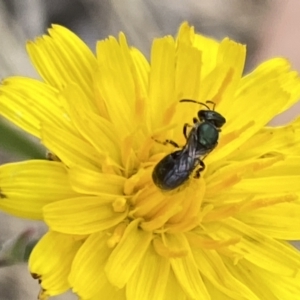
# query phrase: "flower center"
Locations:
[[161, 211]]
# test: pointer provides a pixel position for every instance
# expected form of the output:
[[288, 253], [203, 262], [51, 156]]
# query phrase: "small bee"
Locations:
[[175, 168]]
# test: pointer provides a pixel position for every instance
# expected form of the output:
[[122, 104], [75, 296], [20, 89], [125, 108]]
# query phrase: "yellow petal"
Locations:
[[253, 97], [232, 55], [141, 71], [72, 150], [63, 58], [100, 133], [50, 261], [211, 265], [89, 182], [282, 139], [188, 72], [28, 103], [161, 81], [185, 268], [262, 250], [208, 47], [150, 278], [185, 34], [237, 171], [110, 293], [264, 283], [127, 255], [83, 215], [221, 83], [173, 289], [27, 186], [87, 275], [284, 184], [215, 293], [115, 83], [229, 205], [279, 221]]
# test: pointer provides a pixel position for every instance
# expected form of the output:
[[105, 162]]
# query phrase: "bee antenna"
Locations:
[[194, 101], [211, 102]]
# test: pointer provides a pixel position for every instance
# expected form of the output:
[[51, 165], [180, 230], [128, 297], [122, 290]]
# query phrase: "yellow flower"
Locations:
[[113, 234]]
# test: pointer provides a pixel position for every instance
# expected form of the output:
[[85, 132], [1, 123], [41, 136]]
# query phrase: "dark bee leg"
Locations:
[[171, 142], [185, 126], [200, 169]]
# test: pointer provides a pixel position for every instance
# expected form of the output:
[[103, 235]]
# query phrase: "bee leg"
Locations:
[[185, 126], [171, 142], [200, 169]]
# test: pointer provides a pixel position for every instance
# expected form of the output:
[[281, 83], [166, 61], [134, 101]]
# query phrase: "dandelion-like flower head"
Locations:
[[113, 234]]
